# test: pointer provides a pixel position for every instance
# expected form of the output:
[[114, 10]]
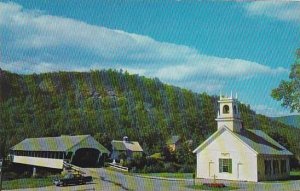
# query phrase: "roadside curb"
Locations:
[[163, 178]]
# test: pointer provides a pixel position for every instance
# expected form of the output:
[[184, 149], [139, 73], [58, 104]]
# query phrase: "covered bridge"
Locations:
[[53, 152]]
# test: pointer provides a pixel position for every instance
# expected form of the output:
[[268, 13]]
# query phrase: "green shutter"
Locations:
[[230, 165], [220, 165]]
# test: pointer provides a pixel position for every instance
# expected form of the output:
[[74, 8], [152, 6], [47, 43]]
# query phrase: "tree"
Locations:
[[289, 91]]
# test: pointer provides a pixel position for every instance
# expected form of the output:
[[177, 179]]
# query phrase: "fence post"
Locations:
[[194, 177]]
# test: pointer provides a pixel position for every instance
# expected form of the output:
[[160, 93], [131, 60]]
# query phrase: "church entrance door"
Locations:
[[211, 169], [239, 171]]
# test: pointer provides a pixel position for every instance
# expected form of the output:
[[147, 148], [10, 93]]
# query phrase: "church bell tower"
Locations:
[[229, 114]]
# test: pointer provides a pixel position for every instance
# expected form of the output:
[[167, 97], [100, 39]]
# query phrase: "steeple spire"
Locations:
[[229, 114]]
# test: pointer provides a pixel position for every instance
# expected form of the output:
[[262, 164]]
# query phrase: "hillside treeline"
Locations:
[[110, 104]]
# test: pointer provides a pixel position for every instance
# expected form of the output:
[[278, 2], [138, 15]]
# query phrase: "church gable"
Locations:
[[224, 140]]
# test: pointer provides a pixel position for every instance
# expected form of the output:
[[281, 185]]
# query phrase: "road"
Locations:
[[107, 180], [140, 183]]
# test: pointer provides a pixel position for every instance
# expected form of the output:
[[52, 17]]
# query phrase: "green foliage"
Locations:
[[184, 154], [110, 104], [27, 183], [289, 91], [157, 156]]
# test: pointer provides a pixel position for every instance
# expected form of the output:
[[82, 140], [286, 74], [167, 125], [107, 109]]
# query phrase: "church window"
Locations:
[[275, 167], [225, 165], [268, 167], [226, 109], [283, 166]]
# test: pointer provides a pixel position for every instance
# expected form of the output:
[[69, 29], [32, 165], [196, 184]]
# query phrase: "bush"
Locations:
[[171, 167], [10, 175], [159, 167], [151, 165], [187, 168]]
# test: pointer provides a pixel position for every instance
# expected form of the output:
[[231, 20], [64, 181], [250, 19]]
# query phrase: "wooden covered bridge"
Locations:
[[54, 152]]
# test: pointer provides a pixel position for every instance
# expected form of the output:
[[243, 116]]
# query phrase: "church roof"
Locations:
[[63, 143], [261, 142], [126, 145], [257, 140]]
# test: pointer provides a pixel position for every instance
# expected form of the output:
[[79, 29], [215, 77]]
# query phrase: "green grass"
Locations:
[[162, 174], [171, 175], [295, 173], [203, 187], [27, 183]]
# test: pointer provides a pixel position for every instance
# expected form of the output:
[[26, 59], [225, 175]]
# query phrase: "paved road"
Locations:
[[99, 184], [114, 181], [140, 183]]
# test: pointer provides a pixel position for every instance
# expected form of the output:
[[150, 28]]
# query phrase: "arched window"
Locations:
[[234, 110], [226, 109]]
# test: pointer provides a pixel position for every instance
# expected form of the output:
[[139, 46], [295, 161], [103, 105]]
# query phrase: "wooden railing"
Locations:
[[118, 167], [73, 167]]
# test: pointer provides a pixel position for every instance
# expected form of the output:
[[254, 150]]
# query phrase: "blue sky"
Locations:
[[203, 46]]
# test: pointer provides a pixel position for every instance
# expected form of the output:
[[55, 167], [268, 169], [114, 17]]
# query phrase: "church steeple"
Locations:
[[229, 114]]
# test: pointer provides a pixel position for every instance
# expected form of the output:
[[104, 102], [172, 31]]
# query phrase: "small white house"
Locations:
[[236, 153], [128, 148]]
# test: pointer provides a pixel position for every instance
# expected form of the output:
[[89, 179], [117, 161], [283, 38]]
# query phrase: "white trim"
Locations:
[[215, 134]]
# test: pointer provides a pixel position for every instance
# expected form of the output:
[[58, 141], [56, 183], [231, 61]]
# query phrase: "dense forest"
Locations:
[[293, 120], [110, 104]]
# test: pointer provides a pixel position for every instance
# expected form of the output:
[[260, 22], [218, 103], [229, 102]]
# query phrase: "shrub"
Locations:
[[170, 167], [187, 168], [10, 175]]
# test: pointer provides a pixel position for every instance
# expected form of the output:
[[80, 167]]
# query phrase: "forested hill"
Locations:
[[111, 104], [293, 120]]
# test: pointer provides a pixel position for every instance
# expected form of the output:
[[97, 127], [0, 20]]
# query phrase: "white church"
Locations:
[[236, 153]]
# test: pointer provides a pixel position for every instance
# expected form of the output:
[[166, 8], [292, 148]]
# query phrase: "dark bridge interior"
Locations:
[[86, 157]]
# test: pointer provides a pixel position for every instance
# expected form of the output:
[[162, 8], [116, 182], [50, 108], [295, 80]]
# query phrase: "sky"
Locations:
[[204, 46]]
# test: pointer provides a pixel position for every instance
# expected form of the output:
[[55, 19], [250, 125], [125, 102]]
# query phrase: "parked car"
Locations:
[[72, 179]]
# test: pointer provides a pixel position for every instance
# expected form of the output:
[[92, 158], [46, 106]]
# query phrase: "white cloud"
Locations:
[[36, 42], [282, 10], [216, 66]]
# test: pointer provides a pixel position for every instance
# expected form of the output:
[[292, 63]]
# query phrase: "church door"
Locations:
[[211, 169], [239, 171]]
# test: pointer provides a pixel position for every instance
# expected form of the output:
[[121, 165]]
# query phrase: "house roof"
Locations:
[[127, 145], [63, 143], [173, 140], [256, 140]]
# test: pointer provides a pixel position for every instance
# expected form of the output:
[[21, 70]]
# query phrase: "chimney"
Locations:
[[125, 139]]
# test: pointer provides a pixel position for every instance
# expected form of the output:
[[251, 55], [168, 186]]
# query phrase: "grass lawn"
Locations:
[[204, 187], [171, 175], [162, 174], [27, 183], [295, 173]]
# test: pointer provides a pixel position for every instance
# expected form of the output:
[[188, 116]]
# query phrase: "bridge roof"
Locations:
[[63, 143]]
